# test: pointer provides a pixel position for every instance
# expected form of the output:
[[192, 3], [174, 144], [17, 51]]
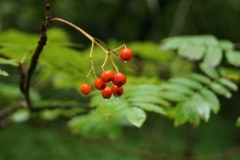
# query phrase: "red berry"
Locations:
[[126, 54], [85, 88], [119, 79], [99, 84], [117, 91], [107, 76], [107, 93]]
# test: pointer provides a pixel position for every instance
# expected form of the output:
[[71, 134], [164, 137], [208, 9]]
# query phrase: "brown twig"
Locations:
[[48, 15], [25, 79], [34, 60]]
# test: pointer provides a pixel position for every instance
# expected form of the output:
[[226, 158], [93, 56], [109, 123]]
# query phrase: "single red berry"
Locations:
[[126, 54], [107, 76], [85, 88], [117, 91], [107, 93], [119, 79], [99, 84]]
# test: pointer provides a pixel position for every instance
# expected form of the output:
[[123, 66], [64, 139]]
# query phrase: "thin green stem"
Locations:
[[92, 66], [74, 26], [88, 75], [97, 42], [101, 47], [106, 58], [120, 47], [113, 63]]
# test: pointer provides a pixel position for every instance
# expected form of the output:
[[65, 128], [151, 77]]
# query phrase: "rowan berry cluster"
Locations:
[[117, 79]]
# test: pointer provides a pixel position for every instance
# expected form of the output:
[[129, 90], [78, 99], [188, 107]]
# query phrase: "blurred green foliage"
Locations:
[[159, 80]]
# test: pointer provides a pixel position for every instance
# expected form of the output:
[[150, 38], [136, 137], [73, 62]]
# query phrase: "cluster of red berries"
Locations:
[[118, 79]]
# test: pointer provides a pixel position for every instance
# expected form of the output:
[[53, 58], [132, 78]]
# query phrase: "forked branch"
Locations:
[[25, 79]]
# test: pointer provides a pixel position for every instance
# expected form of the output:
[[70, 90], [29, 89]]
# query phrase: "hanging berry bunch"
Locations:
[[101, 83], [109, 82]]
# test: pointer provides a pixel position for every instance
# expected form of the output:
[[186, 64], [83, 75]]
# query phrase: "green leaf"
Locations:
[[233, 57], [213, 56], [176, 88], [149, 98], [95, 126], [199, 77], [150, 51], [186, 111], [136, 116], [208, 70], [9, 92], [219, 89], [3, 73], [16, 44], [144, 94], [8, 61], [212, 99], [20, 115], [141, 90], [172, 96], [229, 84], [187, 82], [191, 51], [171, 43], [108, 107], [208, 40], [194, 107], [203, 107], [150, 107], [226, 45]]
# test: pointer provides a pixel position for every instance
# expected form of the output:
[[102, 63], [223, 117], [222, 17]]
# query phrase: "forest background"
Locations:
[[144, 26]]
